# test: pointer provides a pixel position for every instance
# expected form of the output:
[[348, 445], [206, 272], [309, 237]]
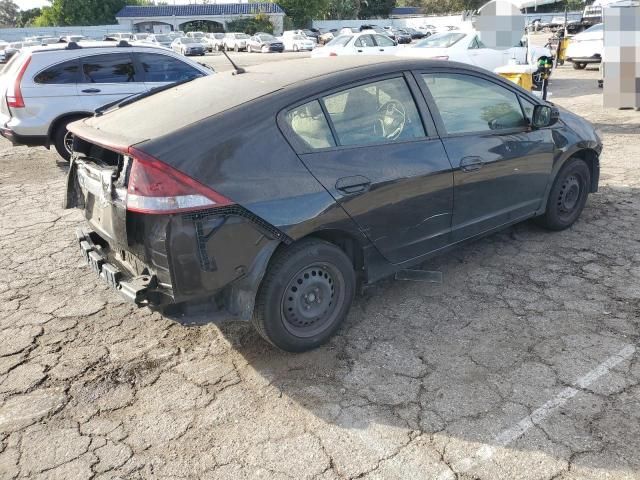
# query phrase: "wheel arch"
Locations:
[[56, 122]]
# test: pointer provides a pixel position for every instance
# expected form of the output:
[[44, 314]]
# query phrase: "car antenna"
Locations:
[[238, 70]]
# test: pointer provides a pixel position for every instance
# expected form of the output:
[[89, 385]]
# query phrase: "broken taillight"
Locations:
[[14, 92], [156, 188]]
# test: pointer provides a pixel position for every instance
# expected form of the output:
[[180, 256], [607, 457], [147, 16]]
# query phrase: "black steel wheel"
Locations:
[[568, 195], [305, 295]]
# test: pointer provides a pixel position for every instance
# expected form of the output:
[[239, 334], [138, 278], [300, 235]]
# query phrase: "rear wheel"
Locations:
[[579, 65], [304, 296], [568, 195], [63, 139]]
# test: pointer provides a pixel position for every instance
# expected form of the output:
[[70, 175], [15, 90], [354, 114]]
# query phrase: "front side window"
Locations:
[[110, 68], [310, 125], [374, 113], [164, 68], [364, 41], [63, 73], [384, 41], [485, 106]]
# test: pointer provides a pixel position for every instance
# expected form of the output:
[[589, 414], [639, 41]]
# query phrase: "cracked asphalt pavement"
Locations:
[[521, 365]]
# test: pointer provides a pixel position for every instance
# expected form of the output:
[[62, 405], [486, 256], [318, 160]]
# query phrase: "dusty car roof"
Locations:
[[186, 104]]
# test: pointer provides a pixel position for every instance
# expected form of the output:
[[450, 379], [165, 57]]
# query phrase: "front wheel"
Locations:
[[304, 296], [579, 65], [568, 195]]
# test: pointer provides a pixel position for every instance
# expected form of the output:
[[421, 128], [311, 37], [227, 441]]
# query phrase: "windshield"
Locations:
[[441, 40], [595, 28], [188, 40], [242, 35], [197, 35], [163, 38], [266, 38], [141, 36], [339, 41]]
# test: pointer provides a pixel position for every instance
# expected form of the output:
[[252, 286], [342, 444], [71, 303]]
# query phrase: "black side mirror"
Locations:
[[544, 116]]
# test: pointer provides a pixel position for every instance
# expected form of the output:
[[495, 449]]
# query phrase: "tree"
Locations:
[[8, 13], [26, 18], [83, 12], [302, 12]]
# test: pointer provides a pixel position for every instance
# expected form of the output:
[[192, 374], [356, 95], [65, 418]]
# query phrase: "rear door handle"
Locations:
[[91, 90], [352, 185], [470, 164]]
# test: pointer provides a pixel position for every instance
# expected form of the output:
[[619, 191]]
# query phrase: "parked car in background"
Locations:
[[466, 47], [362, 43], [73, 38], [14, 47], [357, 177], [214, 41], [140, 37], [327, 36], [399, 35], [348, 31], [264, 43], [188, 46], [586, 47], [298, 43], [122, 36], [159, 39], [235, 41], [428, 30], [415, 33], [44, 88], [196, 35]]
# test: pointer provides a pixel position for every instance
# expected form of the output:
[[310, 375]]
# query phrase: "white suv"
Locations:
[[43, 89]]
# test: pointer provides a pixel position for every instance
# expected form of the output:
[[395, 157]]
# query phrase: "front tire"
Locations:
[[305, 295], [568, 195], [63, 139]]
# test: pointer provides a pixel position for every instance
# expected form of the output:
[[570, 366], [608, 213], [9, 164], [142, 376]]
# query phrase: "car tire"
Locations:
[[568, 195], [295, 48], [305, 295], [579, 65], [236, 49], [61, 137]]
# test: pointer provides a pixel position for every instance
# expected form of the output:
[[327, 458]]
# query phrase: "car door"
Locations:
[[487, 58], [373, 146], [501, 165], [59, 82], [385, 45], [365, 45], [108, 77], [160, 69]]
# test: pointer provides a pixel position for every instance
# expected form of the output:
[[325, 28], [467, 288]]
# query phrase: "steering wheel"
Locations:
[[390, 121]]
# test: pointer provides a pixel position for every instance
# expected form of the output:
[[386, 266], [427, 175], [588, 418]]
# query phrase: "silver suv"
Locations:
[[43, 89]]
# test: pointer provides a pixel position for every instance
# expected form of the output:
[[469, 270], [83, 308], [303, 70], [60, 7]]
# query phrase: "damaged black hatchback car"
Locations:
[[274, 193]]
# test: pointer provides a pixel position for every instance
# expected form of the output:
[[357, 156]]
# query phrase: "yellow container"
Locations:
[[525, 80], [519, 74], [562, 49]]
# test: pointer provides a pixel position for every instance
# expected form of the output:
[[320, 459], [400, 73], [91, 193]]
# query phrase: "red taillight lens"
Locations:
[[155, 187], [14, 92]]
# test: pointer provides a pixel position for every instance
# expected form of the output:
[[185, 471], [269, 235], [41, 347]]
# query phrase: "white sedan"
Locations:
[[363, 43], [466, 47], [586, 47]]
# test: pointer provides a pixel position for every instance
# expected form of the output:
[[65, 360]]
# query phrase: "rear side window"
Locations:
[[110, 68], [374, 113], [364, 41], [164, 68], [67, 72], [310, 125]]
